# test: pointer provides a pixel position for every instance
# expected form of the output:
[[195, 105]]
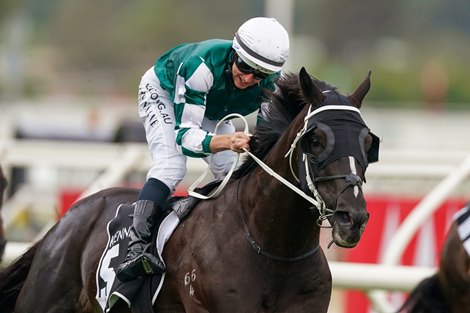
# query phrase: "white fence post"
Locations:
[[131, 157], [413, 221]]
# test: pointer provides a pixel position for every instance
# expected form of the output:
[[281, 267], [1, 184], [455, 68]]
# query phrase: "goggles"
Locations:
[[246, 69]]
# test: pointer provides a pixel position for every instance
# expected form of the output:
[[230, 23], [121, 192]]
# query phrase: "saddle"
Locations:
[[141, 293], [182, 205]]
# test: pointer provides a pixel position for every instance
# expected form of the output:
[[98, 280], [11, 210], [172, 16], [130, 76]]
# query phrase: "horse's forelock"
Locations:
[[284, 105]]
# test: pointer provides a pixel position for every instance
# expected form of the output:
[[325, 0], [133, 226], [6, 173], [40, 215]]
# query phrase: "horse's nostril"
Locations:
[[343, 217]]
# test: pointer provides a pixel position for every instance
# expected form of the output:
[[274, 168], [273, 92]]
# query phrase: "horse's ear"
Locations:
[[310, 91], [361, 91]]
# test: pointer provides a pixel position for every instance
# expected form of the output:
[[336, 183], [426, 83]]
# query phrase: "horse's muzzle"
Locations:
[[348, 227]]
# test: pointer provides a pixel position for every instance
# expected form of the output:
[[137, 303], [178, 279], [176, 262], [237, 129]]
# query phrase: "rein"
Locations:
[[216, 193], [317, 202]]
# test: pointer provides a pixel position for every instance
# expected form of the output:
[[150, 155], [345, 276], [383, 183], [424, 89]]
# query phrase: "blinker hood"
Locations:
[[345, 131]]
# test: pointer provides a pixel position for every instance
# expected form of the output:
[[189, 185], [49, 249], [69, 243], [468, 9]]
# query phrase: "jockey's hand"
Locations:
[[240, 141], [235, 142]]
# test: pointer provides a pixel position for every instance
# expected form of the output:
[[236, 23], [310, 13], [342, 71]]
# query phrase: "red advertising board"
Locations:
[[386, 215], [67, 198]]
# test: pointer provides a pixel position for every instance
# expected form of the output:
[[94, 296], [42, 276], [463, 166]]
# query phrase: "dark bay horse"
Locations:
[[3, 186], [447, 291], [255, 248]]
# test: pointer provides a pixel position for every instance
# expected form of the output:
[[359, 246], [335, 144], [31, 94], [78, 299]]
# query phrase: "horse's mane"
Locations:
[[283, 105]]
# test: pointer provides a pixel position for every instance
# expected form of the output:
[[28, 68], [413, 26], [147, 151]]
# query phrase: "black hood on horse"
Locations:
[[346, 128]]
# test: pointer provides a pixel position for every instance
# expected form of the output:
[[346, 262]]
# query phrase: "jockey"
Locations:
[[181, 99]]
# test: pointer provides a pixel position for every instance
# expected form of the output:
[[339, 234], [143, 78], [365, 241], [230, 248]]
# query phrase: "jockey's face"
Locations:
[[243, 80]]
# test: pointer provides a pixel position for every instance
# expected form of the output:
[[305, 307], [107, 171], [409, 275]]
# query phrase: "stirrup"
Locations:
[[144, 264]]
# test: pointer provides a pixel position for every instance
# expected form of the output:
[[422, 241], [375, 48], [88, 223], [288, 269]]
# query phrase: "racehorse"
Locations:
[[254, 248], [447, 291], [3, 186]]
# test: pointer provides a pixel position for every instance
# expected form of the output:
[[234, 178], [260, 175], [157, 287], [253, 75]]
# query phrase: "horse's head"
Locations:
[[329, 148], [336, 147]]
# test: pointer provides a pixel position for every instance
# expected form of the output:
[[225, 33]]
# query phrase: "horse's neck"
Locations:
[[278, 218]]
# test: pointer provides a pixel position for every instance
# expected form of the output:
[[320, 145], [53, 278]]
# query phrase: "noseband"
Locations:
[[352, 180]]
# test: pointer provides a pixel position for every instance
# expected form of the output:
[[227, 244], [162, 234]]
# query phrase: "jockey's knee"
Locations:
[[170, 174], [221, 166]]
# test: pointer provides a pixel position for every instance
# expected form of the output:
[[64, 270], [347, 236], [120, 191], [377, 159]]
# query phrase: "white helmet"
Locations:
[[262, 43]]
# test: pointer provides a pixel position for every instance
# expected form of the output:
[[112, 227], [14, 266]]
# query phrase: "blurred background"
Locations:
[[69, 72], [417, 50]]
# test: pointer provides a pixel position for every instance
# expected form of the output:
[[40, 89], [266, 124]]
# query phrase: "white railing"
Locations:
[[99, 156], [345, 275], [368, 277], [411, 224], [114, 161]]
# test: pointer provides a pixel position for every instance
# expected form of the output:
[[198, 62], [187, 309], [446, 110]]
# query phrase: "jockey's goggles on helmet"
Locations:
[[246, 69]]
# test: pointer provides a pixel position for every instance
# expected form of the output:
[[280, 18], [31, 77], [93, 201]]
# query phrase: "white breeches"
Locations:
[[158, 117]]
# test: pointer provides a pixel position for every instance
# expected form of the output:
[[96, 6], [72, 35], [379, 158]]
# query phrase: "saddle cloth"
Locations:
[[139, 294], [462, 220]]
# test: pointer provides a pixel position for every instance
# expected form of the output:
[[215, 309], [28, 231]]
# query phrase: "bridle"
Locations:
[[352, 179], [315, 199]]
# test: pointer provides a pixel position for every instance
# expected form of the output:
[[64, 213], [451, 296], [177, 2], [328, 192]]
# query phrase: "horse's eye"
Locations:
[[315, 142]]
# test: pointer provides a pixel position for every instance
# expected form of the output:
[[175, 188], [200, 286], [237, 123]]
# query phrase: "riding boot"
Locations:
[[139, 261]]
